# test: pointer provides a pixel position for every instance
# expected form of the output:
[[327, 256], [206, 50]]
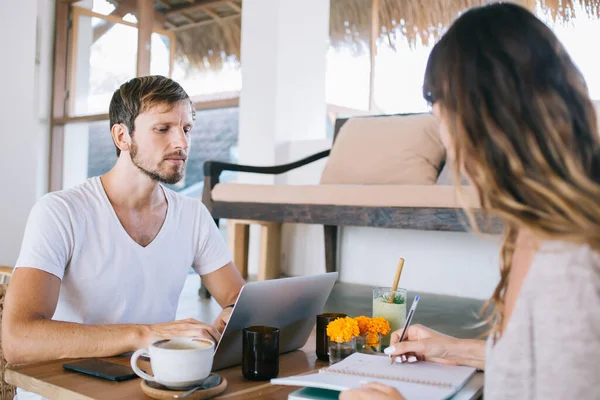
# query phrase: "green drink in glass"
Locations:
[[394, 311]]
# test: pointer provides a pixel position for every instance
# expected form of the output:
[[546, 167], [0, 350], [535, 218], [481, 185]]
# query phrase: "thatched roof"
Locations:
[[207, 36], [208, 31], [419, 20]]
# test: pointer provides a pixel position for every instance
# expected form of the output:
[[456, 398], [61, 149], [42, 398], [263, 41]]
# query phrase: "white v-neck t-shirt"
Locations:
[[107, 277]]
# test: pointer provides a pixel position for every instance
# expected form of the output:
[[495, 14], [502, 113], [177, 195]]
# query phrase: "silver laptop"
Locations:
[[290, 304]]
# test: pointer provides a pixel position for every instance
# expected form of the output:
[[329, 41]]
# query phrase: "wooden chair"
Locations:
[[7, 392]]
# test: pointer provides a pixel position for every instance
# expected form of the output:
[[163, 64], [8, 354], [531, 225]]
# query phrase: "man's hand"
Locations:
[[222, 319], [187, 328], [372, 391]]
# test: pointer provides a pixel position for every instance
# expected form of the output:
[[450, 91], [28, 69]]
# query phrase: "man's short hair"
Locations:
[[140, 94]]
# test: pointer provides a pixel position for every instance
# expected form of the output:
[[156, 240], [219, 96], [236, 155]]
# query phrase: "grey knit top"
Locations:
[[551, 345]]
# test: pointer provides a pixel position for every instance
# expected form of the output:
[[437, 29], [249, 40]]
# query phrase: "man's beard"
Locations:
[[169, 178]]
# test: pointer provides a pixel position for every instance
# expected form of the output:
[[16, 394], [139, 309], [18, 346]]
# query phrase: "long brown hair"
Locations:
[[522, 126]]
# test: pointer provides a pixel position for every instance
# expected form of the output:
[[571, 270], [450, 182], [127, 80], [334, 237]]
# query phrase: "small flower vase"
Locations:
[[339, 351], [362, 346], [376, 345], [361, 343]]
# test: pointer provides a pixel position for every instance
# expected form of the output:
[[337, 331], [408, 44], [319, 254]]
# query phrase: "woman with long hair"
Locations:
[[517, 121]]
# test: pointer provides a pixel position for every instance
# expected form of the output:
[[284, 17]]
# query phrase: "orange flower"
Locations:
[[363, 324], [372, 327], [342, 330], [380, 325]]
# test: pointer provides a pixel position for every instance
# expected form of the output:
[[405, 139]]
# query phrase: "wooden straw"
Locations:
[[396, 280]]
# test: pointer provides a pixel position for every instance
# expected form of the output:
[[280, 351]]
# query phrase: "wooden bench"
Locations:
[[238, 239], [383, 172]]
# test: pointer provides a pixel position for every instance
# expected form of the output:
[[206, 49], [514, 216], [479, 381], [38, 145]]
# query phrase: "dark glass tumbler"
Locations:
[[260, 353], [322, 339]]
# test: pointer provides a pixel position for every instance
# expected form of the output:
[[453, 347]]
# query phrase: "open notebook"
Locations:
[[420, 380]]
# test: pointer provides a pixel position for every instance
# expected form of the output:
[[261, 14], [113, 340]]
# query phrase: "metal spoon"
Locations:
[[211, 381]]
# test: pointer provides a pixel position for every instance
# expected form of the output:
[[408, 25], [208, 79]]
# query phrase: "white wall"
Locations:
[[284, 43], [283, 51], [452, 263], [302, 245], [24, 115]]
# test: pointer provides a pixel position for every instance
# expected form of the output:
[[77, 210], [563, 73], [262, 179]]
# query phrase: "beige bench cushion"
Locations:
[[435, 196], [391, 150]]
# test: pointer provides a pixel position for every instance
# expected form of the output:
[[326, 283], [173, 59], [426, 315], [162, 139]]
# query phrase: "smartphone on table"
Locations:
[[102, 369]]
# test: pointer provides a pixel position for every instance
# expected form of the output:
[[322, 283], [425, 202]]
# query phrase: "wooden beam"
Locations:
[[122, 10], [109, 18], [59, 95], [211, 14], [172, 52], [418, 218], [83, 118], [160, 22], [200, 105], [189, 19], [72, 59], [269, 259], [234, 6], [164, 4], [59, 84], [238, 235], [196, 6], [145, 21], [375, 32], [214, 104], [201, 23]]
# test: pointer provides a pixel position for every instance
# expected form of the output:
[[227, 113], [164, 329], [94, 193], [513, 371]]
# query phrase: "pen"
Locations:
[[413, 307]]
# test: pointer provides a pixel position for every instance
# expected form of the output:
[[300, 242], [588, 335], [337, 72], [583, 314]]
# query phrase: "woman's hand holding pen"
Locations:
[[424, 343], [427, 345]]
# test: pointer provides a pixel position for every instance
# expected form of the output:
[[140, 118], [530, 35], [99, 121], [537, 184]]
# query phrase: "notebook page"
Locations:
[[422, 372], [410, 391]]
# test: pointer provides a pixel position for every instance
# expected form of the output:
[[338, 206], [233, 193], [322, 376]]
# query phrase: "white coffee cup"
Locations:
[[177, 362]]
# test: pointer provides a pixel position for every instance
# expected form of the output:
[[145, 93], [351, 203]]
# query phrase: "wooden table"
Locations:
[[50, 380]]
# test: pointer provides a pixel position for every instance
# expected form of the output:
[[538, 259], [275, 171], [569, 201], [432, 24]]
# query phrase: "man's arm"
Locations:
[[29, 334], [224, 284]]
